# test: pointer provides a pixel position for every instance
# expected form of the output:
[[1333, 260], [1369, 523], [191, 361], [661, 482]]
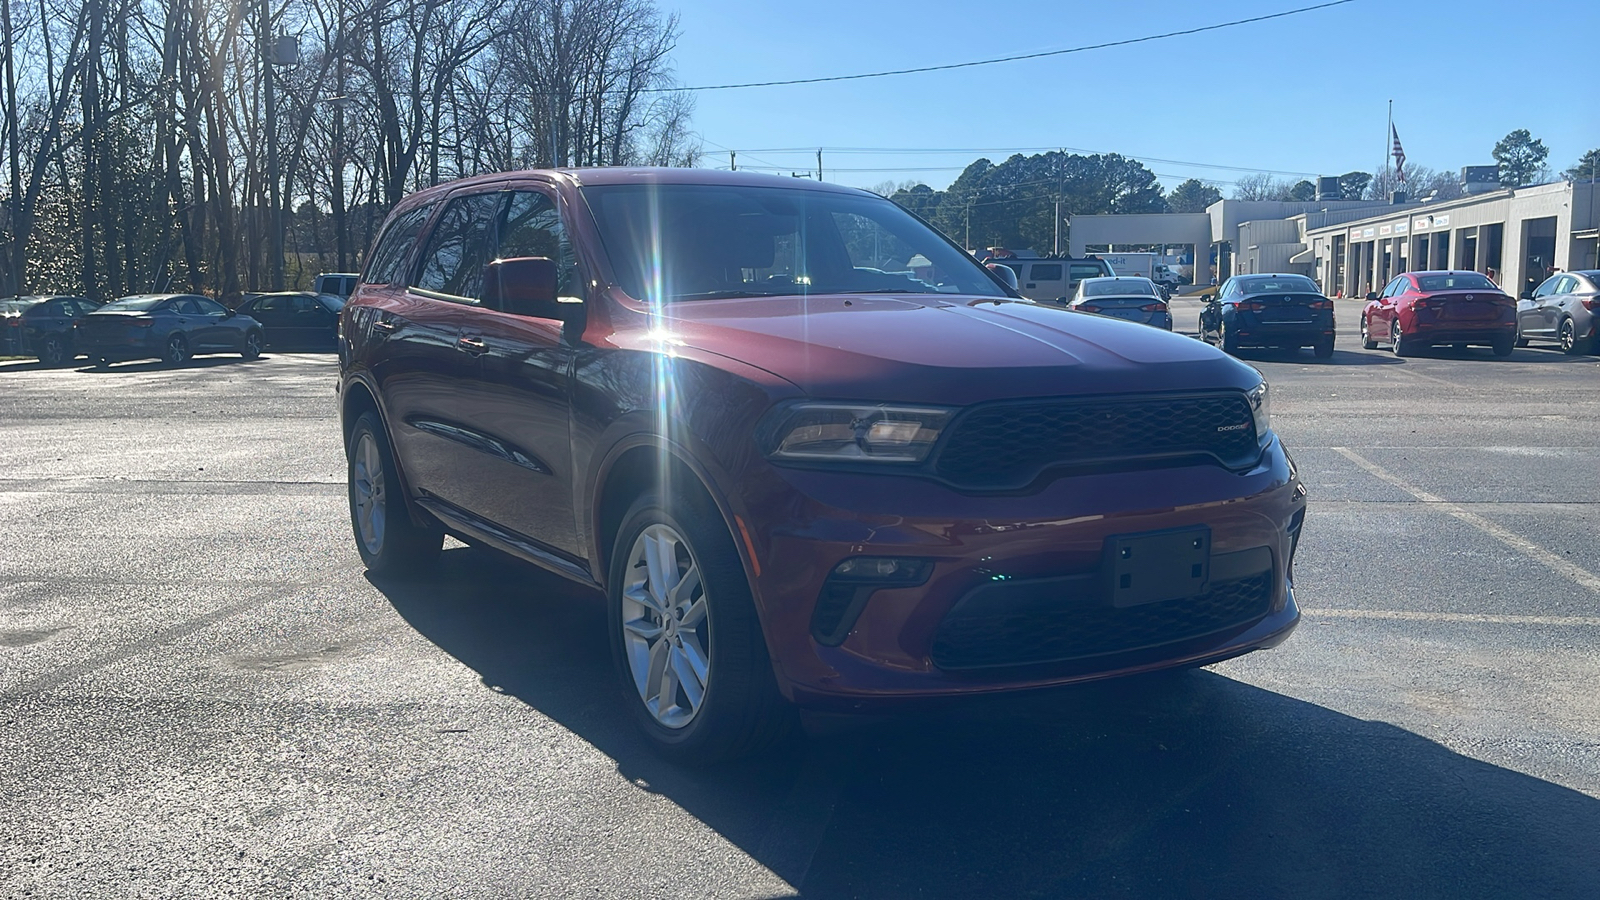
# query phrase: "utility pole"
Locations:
[[275, 226], [969, 225], [733, 161], [819, 164], [1057, 250]]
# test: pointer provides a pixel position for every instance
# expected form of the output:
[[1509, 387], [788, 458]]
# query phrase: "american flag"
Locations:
[[1399, 156]]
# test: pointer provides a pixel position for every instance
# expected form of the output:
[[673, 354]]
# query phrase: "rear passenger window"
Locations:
[[394, 248], [460, 246], [1050, 272]]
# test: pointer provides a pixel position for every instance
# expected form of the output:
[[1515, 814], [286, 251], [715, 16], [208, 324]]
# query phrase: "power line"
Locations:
[[1005, 59], [1050, 149]]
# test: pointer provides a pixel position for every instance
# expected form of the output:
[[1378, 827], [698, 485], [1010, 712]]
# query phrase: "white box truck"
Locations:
[[1146, 265]]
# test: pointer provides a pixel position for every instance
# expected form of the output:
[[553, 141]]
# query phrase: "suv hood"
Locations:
[[948, 350]]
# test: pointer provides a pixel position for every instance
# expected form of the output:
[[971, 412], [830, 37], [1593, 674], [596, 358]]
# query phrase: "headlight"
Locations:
[[1261, 408], [855, 432]]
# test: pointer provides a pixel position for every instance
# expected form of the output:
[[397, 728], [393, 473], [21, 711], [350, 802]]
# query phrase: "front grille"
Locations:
[[992, 635], [1009, 444]]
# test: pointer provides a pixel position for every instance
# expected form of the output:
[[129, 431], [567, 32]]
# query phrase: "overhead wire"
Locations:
[[1006, 59]]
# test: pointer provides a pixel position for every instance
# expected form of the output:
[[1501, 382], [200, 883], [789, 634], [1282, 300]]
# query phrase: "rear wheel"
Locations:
[[1227, 340], [686, 642], [1503, 345], [176, 351], [1323, 349], [388, 540], [1367, 342], [1397, 340], [52, 352], [1571, 344]]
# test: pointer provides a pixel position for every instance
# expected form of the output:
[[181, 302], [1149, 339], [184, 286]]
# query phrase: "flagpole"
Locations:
[[1386, 146]]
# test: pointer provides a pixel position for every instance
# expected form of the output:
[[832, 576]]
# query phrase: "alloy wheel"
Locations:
[[1568, 337], [369, 492], [52, 353], [177, 349], [666, 626]]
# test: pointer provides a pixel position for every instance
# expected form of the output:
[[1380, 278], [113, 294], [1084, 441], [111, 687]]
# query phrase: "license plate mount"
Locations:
[[1153, 566]]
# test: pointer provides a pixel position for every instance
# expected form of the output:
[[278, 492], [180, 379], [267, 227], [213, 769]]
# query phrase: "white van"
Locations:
[[339, 284], [1054, 280]]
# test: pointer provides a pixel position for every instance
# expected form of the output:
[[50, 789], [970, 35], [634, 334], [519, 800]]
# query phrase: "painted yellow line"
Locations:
[[1473, 618], [1505, 536]]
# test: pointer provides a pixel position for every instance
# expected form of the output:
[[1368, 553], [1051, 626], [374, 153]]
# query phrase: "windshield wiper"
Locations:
[[728, 295]]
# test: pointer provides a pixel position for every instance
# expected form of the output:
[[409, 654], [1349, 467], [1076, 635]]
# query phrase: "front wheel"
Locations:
[[388, 540], [252, 346], [52, 352], [1571, 344], [685, 639]]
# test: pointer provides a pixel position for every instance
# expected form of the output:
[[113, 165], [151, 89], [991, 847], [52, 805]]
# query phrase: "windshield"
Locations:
[[689, 242], [1458, 281], [1279, 284], [1118, 287], [133, 304], [332, 301]]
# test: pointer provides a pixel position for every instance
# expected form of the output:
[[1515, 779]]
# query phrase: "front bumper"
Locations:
[[935, 640]]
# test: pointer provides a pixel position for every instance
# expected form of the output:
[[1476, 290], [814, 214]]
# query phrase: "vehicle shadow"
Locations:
[[156, 365], [1187, 784], [1340, 357]]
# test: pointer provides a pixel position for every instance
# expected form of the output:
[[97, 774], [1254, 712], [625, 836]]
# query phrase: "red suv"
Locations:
[[811, 451], [1418, 310]]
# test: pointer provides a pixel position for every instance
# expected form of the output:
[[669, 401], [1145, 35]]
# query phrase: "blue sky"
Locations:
[[1306, 94]]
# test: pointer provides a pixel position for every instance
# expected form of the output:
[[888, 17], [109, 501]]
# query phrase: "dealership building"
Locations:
[[1518, 237]]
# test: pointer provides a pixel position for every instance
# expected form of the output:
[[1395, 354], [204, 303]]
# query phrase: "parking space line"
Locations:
[[1470, 618], [1505, 536]]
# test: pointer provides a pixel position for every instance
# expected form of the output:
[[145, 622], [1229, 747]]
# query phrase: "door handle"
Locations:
[[474, 346], [384, 325]]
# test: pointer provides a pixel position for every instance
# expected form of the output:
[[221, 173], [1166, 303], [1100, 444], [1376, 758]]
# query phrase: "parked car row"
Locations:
[[1415, 311], [171, 327]]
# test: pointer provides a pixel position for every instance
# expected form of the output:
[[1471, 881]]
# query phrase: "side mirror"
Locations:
[[1004, 273], [1527, 295], [525, 286], [1372, 295]]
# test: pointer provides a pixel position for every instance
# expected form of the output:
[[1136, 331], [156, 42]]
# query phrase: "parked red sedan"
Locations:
[[1418, 310]]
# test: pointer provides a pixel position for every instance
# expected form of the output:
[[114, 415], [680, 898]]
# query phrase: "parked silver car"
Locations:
[[1565, 309], [1130, 297]]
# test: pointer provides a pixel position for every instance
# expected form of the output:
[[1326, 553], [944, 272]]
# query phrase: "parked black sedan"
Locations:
[[170, 327], [298, 319], [1284, 311], [37, 325]]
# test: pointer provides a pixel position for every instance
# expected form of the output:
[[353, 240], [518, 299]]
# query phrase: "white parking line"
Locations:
[[1472, 618], [1505, 536]]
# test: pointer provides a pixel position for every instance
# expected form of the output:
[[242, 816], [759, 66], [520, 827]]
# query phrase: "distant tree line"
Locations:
[[154, 144]]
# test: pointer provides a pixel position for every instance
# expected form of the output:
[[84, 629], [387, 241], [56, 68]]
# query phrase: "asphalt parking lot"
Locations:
[[202, 694]]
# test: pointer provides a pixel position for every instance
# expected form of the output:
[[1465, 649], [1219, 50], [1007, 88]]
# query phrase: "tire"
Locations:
[[1323, 349], [1227, 340], [252, 346], [387, 539], [176, 350], [707, 640], [53, 352], [1367, 343], [1571, 344], [1397, 340], [1521, 341], [1503, 345]]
